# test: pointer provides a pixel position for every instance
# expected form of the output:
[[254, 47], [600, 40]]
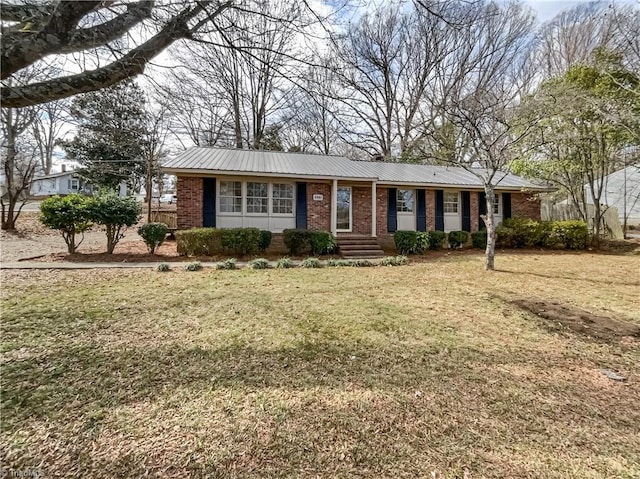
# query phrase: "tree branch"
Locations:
[[131, 64]]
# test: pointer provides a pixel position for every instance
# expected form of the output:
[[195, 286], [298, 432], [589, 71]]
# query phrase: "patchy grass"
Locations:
[[376, 372]]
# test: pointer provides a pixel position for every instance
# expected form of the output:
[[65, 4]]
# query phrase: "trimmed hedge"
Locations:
[[479, 239], [436, 239], [199, 242], [526, 233], [212, 241], [457, 239], [411, 242], [300, 241], [265, 240]]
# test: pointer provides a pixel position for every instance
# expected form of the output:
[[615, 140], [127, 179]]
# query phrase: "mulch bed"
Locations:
[[579, 321]]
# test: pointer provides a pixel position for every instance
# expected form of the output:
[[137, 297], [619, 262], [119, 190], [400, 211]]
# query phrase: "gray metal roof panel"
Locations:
[[304, 164]]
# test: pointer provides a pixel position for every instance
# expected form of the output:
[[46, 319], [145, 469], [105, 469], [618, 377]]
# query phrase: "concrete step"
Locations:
[[363, 253], [349, 246]]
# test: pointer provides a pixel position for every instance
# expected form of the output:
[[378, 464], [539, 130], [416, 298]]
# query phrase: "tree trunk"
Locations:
[[490, 251]]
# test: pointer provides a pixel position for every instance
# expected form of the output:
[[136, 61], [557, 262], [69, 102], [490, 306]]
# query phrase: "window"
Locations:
[[451, 202], [230, 197], [257, 197], [496, 205], [405, 201], [74, 184], [282, 198]]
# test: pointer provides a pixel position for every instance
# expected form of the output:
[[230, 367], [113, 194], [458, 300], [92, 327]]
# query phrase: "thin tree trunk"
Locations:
[[490, 251]]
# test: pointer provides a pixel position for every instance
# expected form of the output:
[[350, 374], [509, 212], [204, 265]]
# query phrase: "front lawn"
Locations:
[[337, 372]]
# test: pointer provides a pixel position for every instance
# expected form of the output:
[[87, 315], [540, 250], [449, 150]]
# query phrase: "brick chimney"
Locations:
[[64, 167]]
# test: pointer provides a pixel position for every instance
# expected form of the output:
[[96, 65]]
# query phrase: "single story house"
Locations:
[[63, 183], [273, 190]]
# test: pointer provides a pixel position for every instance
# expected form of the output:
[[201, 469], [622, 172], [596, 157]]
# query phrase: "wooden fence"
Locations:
[[610, 225], [169, 218]]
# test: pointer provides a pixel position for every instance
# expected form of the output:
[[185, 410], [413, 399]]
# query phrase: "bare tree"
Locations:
[[18, 165], [490, 78], [47, 127]]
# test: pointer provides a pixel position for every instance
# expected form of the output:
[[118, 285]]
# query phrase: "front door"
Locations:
[[343, 211]]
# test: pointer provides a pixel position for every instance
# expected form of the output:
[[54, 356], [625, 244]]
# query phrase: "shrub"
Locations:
[[338, 262], [264, 240], [199, 242], [411, 242], [229, 263], [195, 266], [163, 267], [153, 235], [322, 242], [479, 239], [436, 239], [70, 215], [394, 260], [457, 238], [284, 263], [258, 263], [361, 263], [311, 263], [297, 240], [241, 241], [572, 234], [115, 214]]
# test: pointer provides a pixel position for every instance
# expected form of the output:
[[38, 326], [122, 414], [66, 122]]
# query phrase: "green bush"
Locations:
[[571, 234], [297, 241], [241, 241], [265, 240], [153, 235], [70, 215], [457, 239], [258, 263], [195, 266], [229, 263], [116, 214], [436, 239], [411, 242], [322, 242], [311, 263], [361, 263], [163, 267], [479, 239], [284, 263], [394, 261], [338, 262], [199, 242]]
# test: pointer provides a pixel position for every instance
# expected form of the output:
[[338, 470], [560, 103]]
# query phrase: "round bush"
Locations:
[[153, 235]]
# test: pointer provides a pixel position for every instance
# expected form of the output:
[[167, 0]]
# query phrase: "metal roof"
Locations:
[[273, 163], [268, 162]]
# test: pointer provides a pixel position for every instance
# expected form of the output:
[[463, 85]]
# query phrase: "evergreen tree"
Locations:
[[110, 138]]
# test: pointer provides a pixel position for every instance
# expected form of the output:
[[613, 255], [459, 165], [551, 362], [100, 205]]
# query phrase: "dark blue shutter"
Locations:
[[466, 211], [506, 205], [439, 210], [392, 210], [421, 223], [301, 206], [209, 202], [482, 209]]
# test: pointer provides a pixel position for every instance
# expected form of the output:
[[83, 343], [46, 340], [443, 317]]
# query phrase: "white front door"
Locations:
[[344, 209]]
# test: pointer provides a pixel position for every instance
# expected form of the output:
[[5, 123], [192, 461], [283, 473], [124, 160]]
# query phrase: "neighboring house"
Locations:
[[270, 190], [62, 183], [622, 191]]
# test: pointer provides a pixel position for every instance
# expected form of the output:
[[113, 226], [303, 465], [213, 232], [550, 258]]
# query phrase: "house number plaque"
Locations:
[[318, 197]]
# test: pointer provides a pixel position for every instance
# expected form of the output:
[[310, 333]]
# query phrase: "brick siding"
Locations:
[[362, 210], [525, 205], [475, 211], [319, 212], [430, 204], [189, 206]]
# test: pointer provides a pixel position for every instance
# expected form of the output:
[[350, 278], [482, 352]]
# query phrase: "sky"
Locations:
[[547, 9]]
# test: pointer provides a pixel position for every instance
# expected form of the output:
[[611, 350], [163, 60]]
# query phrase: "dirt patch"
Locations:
[[580, 321]]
